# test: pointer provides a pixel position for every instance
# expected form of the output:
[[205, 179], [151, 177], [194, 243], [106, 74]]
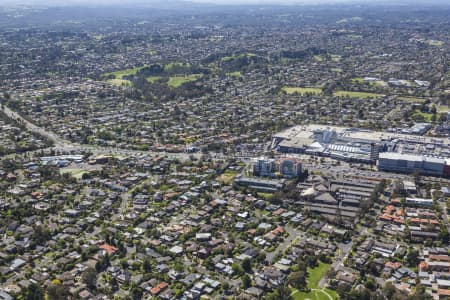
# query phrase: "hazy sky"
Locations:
[[124, 2], [104, 2]]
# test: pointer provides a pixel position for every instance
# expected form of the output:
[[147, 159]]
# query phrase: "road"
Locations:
[[293, 234], [125, 197], [57, 141], [62, 145], [344, 251], [339, 170]]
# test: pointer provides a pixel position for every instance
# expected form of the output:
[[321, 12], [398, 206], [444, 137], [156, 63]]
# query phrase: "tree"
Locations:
[[311, 261], [421, 294], [246, 281], [433, 109], [57, 292], [146, 265], [247, 265], [9, 165], [102, 264], [261, 257], [343, 289], [298, 280], [370, 284], [444, 236], [412, 257], [49, 172], [41, 235], [237, 269], [331, 273], [136, 293], [281, 293], [225, 286], [372, 268], [124, 264], [360, 294], [90, 278], [33, 292], [302, 265], [389, 290]]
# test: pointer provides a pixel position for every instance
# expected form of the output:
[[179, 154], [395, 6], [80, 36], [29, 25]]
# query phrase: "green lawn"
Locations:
[[442, 109], [152, 79], [411, 99], [324, 294], [77, 173], [119, 82], [121, 73], [177, 81], [227, 58], [316, 293], [118, 76], [381, 83], [316, 274], [227, 177], [335, 57], [356, 94], [265, 196], [435, 43], [426, 117], [234, 74], [318, 57], [302, 91], [232, 172], [358, 80]]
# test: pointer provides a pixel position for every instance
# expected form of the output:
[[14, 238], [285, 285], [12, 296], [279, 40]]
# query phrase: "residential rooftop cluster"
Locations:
[[14, 138], [278, 153]]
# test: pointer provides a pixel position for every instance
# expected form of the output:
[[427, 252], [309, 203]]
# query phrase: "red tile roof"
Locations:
[[108, 248]]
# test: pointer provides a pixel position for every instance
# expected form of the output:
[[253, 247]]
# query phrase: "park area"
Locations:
[[77, 173], [118, 77], [177, 81], [356, 94], [316, 292]]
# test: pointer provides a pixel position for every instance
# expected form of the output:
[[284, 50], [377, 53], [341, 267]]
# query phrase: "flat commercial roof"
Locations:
[[344, 148], [306, 131], [381, 135], [297, 142], [410, 157]]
